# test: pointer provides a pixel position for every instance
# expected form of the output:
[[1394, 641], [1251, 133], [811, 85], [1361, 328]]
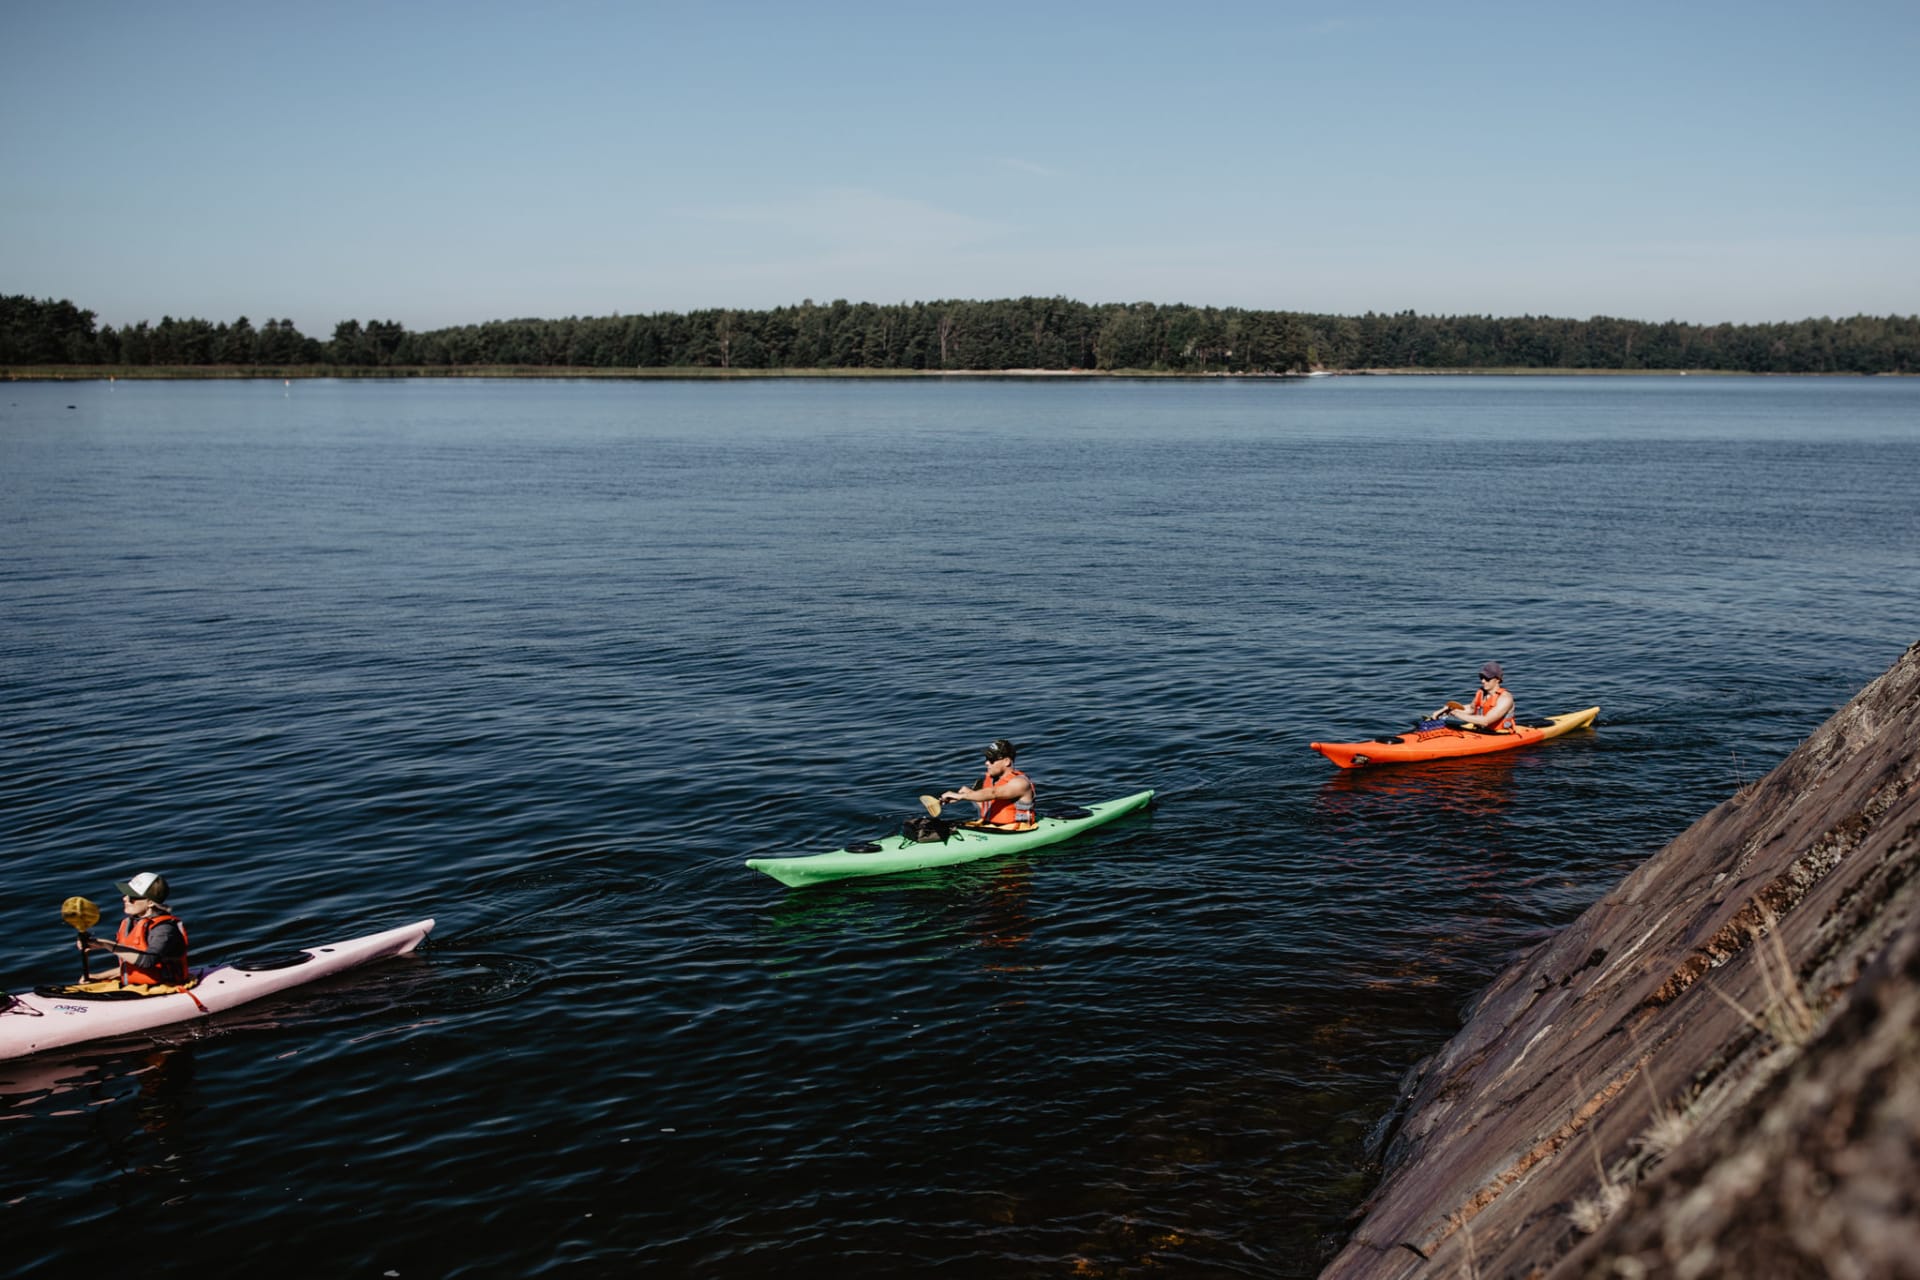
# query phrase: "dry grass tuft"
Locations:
[[1789, 1018], [1669, 1129], [1589, 1213]]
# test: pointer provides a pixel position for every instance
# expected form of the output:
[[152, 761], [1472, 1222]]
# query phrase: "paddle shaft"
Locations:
[[932, 805]]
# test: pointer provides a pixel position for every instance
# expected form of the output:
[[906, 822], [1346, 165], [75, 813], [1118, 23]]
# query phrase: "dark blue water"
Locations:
[[547, 660]]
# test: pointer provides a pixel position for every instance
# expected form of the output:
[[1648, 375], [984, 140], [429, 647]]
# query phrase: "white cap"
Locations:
[[145, 885]]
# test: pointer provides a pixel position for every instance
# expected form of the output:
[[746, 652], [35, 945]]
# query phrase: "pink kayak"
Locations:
[[54, 1017]]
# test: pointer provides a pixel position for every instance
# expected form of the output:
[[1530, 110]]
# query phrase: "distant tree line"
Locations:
[[1017, 333]]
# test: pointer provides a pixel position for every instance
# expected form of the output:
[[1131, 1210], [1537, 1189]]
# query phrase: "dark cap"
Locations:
[[145, 885], [1001, 749], [1492, 671]]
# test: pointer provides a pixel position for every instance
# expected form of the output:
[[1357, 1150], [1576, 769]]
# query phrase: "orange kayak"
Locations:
[[1442, 744]]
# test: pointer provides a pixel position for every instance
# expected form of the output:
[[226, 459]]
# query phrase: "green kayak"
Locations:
[[897, 853]]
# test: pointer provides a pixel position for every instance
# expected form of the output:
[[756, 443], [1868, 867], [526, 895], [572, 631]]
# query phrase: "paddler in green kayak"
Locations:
[[152, 943], [1005, 795], [1492, 707]]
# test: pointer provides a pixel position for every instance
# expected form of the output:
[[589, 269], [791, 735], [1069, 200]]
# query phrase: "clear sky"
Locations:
[[447, 163]]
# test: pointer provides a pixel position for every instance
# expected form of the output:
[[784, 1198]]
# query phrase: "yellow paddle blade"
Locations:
[[80, 913], [931, 805]]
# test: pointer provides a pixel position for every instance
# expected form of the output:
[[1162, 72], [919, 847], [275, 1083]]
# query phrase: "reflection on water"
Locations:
[[71, 1081], [139, 1146], [1448, 819], [1468, 789], [1003, 924], [983, 901], [28, 1081], [158, 1146]]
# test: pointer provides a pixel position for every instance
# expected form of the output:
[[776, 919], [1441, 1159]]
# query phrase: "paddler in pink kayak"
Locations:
[[1492, 705], [152, 943]]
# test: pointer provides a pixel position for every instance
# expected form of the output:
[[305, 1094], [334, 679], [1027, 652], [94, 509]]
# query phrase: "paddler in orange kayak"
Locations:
[[1492, 707]]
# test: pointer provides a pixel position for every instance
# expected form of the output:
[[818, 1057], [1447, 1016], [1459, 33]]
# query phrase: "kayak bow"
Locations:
[[1443, 744], [897, 853], [55, 1017]]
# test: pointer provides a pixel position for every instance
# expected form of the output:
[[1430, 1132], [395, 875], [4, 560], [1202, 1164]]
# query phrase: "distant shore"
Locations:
[[131, 373]]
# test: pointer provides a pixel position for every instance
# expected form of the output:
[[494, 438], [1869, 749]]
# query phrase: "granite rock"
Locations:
[[1712, 1072]]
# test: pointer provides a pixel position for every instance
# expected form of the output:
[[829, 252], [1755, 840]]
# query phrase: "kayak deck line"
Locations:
[[896, 853], [1450, 743], [113, 989]]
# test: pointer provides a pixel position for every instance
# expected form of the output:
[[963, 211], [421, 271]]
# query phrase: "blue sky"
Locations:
[[440, 163]]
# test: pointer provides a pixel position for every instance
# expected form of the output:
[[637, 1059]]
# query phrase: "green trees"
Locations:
[[279, 343], [49, 332], [978, 336], [34, 332]]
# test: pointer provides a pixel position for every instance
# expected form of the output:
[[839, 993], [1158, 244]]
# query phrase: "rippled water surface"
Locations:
[[547, 661]]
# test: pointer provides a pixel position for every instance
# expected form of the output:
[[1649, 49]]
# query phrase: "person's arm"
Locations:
[[1010, 789], [1494, 715], [163, 942]]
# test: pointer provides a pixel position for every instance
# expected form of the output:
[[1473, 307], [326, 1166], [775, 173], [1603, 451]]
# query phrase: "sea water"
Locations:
[[547, 660]]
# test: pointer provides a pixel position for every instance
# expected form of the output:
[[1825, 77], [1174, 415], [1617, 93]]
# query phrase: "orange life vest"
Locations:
[[171, 971], [1005, 813], [1483, 704]]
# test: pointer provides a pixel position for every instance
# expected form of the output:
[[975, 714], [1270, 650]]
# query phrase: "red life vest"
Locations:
[[171, 971], [1005, 813], [1483, 704]]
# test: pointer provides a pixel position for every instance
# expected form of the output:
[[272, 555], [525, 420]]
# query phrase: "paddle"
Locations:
[[931, 805], [82, 915]]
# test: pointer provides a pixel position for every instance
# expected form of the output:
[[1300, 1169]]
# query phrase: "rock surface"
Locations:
[[1715, 1071]]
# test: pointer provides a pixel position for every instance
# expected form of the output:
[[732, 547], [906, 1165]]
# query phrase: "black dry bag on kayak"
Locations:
[[927, 830]]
